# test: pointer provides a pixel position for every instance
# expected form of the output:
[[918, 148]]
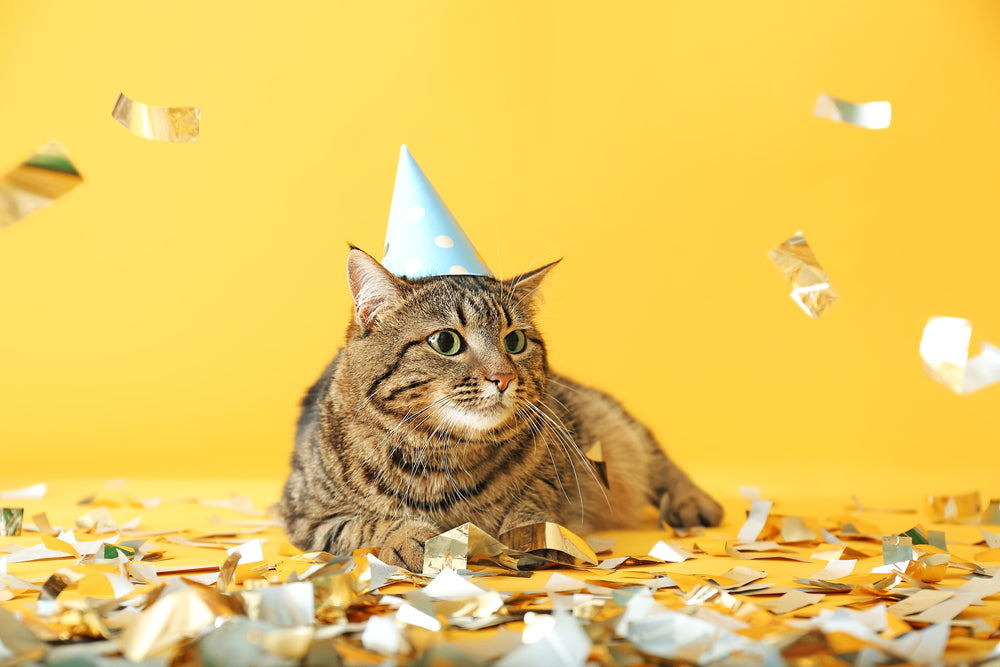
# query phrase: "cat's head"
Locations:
[[460, 351]]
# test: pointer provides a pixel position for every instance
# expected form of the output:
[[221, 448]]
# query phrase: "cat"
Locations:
[[440, 409]]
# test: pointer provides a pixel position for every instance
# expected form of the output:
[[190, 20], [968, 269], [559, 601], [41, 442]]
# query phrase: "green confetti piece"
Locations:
[[10, 521]]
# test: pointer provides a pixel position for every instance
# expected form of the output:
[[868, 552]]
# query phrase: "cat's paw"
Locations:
[[687, 506], [405, 552]]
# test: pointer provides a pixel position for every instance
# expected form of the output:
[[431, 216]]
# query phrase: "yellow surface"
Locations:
[[181, 513], [165, 317]]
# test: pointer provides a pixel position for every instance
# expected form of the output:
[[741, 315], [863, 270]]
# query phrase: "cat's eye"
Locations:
[[446, 341], [515, 342]]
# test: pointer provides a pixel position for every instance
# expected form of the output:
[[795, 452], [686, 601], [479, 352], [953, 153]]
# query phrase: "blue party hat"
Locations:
[[423, 238]]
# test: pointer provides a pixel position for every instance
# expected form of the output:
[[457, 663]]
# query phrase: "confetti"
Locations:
[[595, 455], [549, 537], [755, 520], [159, 123], [810, 286], [896, 549], [454, 548], [955, 507], [668, 553], [100, 599], [601, 545], [944, 349], [795, 600], [34, 184], [992, 514], [10, 521], [35, 492], [448, 585], [871, 115]]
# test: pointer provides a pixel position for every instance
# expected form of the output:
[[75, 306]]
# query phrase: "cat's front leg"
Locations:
[[403, 546], [685, 504]]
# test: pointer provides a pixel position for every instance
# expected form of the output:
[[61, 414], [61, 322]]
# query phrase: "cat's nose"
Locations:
[[501, 380]]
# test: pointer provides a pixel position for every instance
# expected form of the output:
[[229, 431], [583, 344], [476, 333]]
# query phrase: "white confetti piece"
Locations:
[[250, 552], [870, 115], [944, 349], [35, 492]]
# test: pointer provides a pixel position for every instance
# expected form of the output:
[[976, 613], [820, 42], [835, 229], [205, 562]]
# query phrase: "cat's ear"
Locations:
[[524, 286], [373, 288]]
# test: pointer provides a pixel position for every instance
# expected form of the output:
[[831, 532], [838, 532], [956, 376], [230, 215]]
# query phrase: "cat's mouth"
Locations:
[[484, 414]]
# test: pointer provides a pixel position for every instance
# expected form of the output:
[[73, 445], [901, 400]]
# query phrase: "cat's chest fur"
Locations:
[[400, 462]]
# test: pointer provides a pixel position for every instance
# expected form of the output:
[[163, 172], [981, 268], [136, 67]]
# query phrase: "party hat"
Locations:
[[423, 238]]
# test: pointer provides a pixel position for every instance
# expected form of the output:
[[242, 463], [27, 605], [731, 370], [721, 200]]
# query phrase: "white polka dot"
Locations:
[[458, 270], [412, 266], [414, 213], [443, 241]]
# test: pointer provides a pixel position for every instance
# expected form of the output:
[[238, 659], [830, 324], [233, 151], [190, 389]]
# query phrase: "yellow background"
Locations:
[[165, 317]]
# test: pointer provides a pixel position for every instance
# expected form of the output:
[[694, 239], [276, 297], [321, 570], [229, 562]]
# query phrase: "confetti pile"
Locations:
[[839, 589]]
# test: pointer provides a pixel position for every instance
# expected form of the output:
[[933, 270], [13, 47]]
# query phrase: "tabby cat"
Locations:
[[441, 409]]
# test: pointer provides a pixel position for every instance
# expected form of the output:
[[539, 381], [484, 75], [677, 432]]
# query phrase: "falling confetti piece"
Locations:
[[944, 348], [159, 123], [36, 183], [871, 115], [10, 521], [810, 285]]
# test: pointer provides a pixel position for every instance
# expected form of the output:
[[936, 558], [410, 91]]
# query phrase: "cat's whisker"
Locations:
[[347, 483], [567, 446], [536, 431], [409, 414], [413, 472], [570, 444], [553, 418], [363, 404], [378, 476]]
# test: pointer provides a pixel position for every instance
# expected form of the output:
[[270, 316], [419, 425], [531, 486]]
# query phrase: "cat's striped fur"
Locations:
[[398, 442]]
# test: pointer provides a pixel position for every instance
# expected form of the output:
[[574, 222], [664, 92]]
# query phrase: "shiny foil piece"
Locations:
[[810, 286], [159, 123], [37, 182], [870, 115], [456, 547], [173, 618], [596, 457], [944, 349], [549, 536], [10, 521], [955, 507], [896, 549]]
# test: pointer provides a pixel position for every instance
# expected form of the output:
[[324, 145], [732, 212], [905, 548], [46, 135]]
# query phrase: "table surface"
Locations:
[[202, 510]]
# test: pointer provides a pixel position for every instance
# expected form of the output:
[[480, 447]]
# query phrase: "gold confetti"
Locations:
[[549, 536], [317, 608], [810, 286], [870, 115], [159, 123], [34, 184], [595, 455], [456, 547], [992, 514], [955, 507]]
